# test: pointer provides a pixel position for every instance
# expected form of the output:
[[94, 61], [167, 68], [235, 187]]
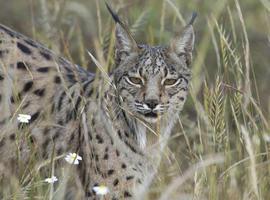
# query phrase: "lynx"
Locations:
[[105, 120]]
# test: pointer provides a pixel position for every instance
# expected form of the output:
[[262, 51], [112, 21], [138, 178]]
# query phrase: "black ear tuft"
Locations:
[[193, 17], [114, 15], [124, 43]]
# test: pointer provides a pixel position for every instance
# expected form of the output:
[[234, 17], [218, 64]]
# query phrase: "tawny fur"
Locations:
[[105, 123]]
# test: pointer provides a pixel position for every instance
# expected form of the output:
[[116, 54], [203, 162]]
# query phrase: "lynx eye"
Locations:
[[134, 80], [170, 82]]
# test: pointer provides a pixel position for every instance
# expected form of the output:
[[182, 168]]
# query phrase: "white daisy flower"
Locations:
[[24, 118], [51, 180], [101, 190], [73, 158], [266, 137]]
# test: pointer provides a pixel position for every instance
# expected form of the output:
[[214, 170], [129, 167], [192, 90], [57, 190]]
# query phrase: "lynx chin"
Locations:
[[104, 122]]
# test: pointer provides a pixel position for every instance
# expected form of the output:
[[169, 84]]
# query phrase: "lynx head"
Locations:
[[152, 81]]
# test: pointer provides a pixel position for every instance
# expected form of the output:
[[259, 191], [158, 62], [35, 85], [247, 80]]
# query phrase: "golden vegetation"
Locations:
[[220, 148]]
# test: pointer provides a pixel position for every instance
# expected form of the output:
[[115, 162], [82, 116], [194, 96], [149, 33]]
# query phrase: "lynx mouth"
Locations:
[[151, 115]]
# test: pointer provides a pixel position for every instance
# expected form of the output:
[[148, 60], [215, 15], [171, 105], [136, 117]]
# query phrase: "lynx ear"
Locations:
[[125, 43], [183, 45]]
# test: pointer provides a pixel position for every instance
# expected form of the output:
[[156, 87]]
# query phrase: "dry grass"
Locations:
[[220, 147]]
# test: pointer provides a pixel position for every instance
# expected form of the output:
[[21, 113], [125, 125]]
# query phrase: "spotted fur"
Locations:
[[69, 113]]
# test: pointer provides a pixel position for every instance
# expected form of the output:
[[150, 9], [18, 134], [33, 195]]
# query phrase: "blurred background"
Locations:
[[229, 102], [76, 26]]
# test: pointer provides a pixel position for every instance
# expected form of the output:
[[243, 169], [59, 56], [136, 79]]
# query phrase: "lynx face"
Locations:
[[153, 81]]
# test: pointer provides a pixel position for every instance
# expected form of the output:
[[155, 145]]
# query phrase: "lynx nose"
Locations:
[[151, 103]]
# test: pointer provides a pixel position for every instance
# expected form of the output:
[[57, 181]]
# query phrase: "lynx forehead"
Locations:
[[74, 111], [159, 60], [152, 60]]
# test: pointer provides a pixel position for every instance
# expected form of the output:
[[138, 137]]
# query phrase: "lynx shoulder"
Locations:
[[69, 113]]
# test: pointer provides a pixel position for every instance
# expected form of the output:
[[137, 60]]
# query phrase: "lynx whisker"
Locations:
[[104, 117]]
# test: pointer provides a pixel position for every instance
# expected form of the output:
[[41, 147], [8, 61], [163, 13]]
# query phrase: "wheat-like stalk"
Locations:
[[106, 41], [140, 23], [214, 103], [222, 114]]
